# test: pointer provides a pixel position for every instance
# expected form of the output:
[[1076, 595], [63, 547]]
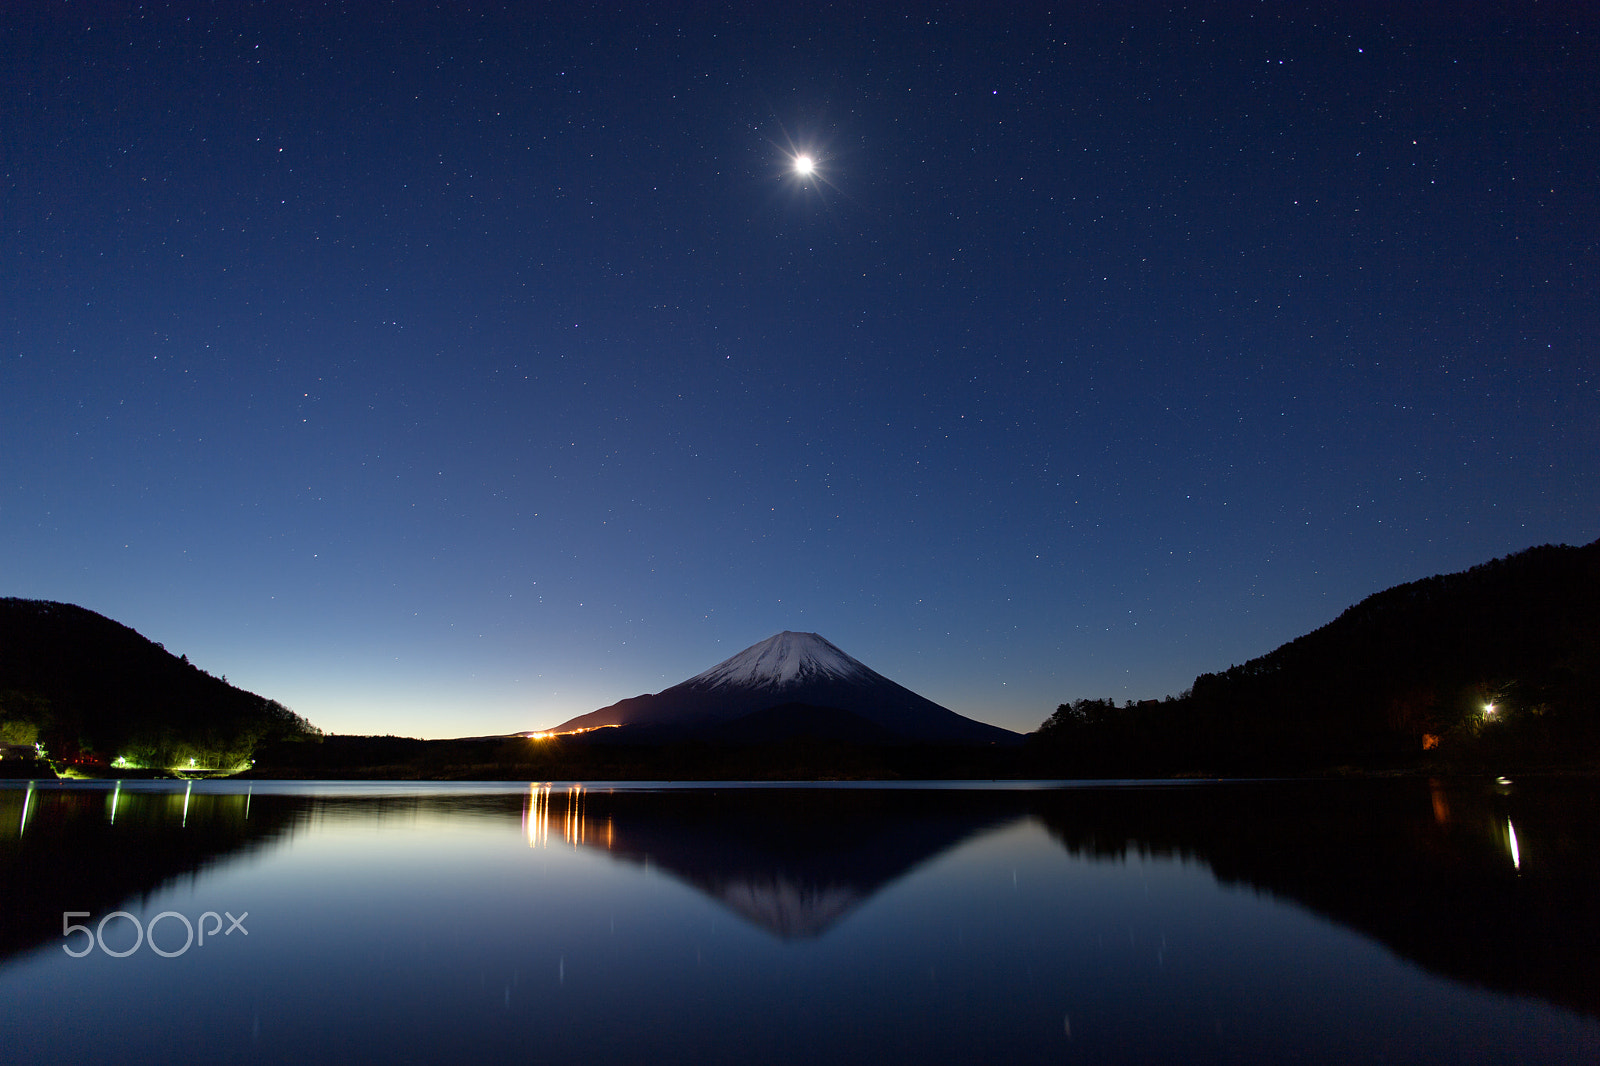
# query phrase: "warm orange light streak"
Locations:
[[1441, 806], [574, 820], [576, 828], [549, 734], [528, 812], [536, 816]]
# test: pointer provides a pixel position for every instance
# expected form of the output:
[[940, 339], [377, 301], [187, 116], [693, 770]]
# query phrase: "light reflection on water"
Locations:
[[536, 815], [1411, 921]]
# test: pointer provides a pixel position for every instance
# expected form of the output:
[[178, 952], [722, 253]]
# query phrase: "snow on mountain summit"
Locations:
[[791, 684], [782, 660]]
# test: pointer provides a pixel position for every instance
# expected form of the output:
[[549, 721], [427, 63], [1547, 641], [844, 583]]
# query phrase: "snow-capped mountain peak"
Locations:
[[783, 660], [791, 684]]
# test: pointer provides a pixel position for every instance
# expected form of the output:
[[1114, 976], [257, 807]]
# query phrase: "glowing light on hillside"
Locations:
[[548, 734]]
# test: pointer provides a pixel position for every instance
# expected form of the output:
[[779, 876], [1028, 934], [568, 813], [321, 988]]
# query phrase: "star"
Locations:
[[804, 165]]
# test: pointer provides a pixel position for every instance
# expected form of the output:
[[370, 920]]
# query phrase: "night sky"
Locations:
[[457, 369]]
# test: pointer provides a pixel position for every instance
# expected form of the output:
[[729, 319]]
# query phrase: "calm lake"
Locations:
[[1365, 921]]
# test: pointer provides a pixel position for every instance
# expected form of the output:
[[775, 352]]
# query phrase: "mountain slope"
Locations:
[[1520, 633], [90, 687], [1497, 662], [801, 669]]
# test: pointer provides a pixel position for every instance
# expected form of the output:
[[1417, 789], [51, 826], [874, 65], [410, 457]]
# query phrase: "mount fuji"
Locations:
[[791, 684]]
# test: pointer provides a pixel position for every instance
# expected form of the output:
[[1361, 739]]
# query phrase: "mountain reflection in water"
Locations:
[[792, 861], [1485, 883], [95, 849]]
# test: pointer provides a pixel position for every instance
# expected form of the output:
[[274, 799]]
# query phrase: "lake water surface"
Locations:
[[1367, 921]]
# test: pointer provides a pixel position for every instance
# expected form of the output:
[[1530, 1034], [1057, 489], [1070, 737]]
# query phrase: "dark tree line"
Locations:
[[1503, 658], [93, 691]]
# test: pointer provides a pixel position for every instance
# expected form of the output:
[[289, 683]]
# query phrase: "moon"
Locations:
[[804, 165]]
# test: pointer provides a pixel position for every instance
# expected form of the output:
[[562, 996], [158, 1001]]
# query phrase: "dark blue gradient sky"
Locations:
[[455, 369]]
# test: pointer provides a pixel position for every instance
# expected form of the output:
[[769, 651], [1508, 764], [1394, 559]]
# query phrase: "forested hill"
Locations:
[[1506, 653], [89, 688], [1519, 633]]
